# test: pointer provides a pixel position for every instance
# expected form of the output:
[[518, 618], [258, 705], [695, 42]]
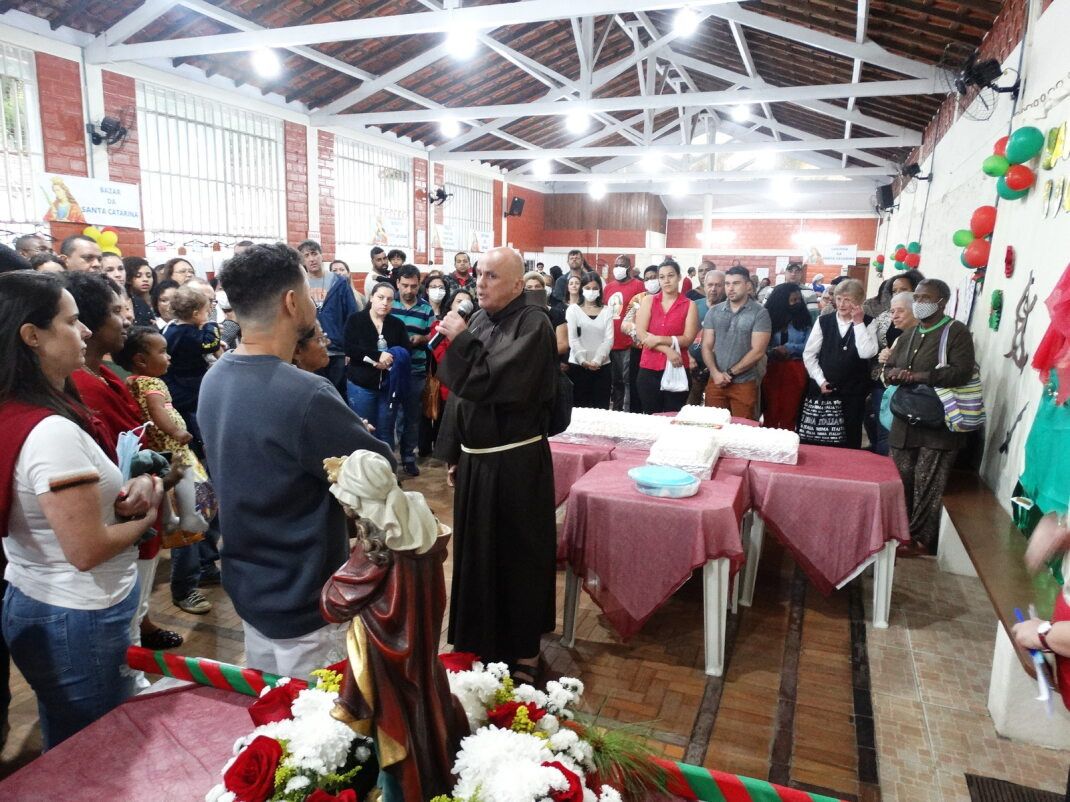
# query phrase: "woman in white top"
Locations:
[[590, 339], [72, 524]]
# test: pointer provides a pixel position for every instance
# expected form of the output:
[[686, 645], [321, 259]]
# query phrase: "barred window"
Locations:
[[21, 151], [469, 214], [373, 200], [209, 171]]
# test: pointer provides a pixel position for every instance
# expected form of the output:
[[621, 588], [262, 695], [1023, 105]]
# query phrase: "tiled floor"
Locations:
[[790, 715]]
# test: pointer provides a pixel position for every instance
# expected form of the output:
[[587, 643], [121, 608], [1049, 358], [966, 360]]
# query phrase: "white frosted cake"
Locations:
[[758, 444], [693, 415], [692, 450], [621, 427]]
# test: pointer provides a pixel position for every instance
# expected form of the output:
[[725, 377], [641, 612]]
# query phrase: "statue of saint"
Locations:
[[393, 593]]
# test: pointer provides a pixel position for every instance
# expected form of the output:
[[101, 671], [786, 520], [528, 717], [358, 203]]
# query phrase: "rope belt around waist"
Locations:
[[498, 449]]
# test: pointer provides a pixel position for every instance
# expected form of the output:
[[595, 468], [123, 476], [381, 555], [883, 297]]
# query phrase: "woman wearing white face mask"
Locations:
[[435, 287], [590, 338]]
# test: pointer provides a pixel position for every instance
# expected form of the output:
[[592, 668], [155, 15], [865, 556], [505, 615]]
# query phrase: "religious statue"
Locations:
[[392, 592]]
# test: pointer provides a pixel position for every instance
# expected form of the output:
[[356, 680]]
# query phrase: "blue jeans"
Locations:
[[73, 659], [409, 418], [878, 435], [189, 563], [374, 407]]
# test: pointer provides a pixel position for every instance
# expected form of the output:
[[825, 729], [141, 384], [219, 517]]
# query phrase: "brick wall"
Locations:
[[59, 87], [296, 177], [774, 234], [325, 176], [527, 231], [120, 100]]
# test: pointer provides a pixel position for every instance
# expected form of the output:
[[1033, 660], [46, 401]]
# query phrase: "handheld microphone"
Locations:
[[464, 310]]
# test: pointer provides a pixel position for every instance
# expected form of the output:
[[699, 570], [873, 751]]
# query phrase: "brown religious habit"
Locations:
[[395, 689]]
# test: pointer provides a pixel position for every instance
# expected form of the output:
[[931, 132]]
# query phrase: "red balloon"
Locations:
[[983, 221], [901, 255], [1020, 177], [976, 253], [913, 259], [1001, 146], [880, 258]]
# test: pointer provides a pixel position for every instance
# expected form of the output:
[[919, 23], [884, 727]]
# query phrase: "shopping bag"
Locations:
[[674, 378]]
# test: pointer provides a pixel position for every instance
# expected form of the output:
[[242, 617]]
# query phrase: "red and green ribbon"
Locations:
[[694, 782], [225, 676]]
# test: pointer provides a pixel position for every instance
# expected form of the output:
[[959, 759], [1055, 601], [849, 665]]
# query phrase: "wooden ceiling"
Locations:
[[917, 29]]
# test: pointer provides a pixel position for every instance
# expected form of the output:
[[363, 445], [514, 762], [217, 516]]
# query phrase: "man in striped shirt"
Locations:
[[417, 316]]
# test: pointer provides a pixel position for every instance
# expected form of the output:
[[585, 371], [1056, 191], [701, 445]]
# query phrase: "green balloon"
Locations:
[[995, 165], [962, 237], [900, 265], [914, 247], [897, 247], [962, 258], [1024, 144], [1007, 193]]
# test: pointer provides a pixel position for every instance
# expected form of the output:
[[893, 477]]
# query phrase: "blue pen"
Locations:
[[1040, 665]]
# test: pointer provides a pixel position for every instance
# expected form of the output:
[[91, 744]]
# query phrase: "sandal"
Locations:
[[161, 639]]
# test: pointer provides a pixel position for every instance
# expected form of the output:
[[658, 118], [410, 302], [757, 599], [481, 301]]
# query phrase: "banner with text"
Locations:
[[73, 199]]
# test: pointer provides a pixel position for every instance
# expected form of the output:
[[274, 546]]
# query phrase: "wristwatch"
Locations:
[[1042, 635], [730, 374]]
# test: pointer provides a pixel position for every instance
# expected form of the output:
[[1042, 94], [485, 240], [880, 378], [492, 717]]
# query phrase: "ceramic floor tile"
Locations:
[[953, 683], [955, 640], [891, 672]]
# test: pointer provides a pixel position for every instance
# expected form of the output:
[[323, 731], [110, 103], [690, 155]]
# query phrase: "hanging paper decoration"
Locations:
[[1024, 144], [995, 165], [1020, 178], [997, 310], [1018, 354], [977, 252], [962, 237], [983, 221], [1008, 261]]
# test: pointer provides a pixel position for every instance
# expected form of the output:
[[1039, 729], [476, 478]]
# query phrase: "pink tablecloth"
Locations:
[[832, 510], [571, 461], [635, 551], [169, 745]]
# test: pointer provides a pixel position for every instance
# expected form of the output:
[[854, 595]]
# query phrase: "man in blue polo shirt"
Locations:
[[417, 316]]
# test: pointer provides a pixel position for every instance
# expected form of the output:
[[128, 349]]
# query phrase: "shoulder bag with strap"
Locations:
[[964, 407], [917, 404]]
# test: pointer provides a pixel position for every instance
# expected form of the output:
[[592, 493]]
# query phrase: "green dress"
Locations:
[[1046, 479]]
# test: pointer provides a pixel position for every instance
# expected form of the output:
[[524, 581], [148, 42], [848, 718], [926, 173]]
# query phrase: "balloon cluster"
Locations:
[[904, 257], [976, 241], [878, 262], [1006, 162], [107, 239]]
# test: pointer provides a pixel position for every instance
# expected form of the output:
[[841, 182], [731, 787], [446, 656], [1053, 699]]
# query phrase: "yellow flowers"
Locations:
[[327, 680]]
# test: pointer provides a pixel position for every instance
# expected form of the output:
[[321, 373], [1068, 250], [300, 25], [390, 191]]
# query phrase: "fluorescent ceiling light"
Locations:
[[685, 22], [741, 113], [266, 62], [541, 168], [450, 128], [462, 42], [577, 121], [597, 190]]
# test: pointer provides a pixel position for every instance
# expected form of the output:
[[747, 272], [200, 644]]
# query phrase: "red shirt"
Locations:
[[618, 296], [669, 323]]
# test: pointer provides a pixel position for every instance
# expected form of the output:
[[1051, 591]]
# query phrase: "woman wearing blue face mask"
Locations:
[[924, 456]]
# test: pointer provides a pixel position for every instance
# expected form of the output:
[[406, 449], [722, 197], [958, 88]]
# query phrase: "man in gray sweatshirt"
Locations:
[[267, 427]]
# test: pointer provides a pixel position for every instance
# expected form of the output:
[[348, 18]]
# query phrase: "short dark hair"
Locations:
[[160, 288], [648, 268], [43, 258], [938, 285], [136, 343], [537, 264], [738, 270], [10, 260], [375, 251], [254, 281], [794, 266], [396, 253], [587, 278], [409, 271], [670, 263], [245, 243], [93, 293], [309, 245], [24, 240], [67, 246], [341, 262]]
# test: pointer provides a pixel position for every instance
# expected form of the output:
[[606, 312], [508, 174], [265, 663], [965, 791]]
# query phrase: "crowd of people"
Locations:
[[247, 383]]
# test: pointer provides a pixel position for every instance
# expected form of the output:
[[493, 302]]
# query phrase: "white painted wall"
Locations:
[[1042, 245]]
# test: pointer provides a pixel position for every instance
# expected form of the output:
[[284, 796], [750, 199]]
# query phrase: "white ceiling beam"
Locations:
[[749, 65], [813, 174], [861, 24], [827, 109], [130, 24], [387, 79], [760, 189], [868, 51], [772, 94], [573, 151], [422, 22]]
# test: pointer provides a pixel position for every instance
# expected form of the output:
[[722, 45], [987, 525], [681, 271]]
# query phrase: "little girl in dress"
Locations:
[[145, 355]]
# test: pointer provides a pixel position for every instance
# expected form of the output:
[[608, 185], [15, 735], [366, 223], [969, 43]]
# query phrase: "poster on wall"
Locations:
[[446, 238], [842, 255], [480, 241], [391, 231], [73, 199]]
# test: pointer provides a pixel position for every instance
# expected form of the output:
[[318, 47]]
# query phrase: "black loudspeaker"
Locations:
[[885, 200], [516, 208]]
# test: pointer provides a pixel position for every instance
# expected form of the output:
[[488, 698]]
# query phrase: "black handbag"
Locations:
[[917, 404]]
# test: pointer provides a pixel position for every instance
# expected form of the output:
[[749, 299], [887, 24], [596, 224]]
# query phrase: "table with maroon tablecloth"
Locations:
[[836, 511], [168, 745], [573, 460], [634, 551]]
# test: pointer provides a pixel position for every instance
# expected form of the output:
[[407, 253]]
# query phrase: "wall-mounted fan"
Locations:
[[973, 81]]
